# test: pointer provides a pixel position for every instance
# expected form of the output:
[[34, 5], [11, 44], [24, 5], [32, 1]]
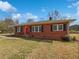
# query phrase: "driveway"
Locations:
[[5, 36]]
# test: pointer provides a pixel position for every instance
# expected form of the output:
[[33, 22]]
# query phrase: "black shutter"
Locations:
[[42, 28], [15, 29], [65, 27], [30, 28], [51, 27]]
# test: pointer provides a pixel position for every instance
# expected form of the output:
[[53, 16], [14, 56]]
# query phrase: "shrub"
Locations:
[[74, 38], [66, 38]]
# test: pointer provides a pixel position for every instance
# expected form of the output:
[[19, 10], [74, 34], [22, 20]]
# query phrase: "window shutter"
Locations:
[[21, 28], [65, 28], [30, 28], [51, 27], [15, 29], [42, 28]]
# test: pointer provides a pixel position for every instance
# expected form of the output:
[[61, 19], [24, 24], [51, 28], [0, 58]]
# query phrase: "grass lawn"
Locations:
[[38, 49]]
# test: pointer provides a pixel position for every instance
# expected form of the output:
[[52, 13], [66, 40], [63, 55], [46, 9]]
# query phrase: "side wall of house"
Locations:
[[47, 33], [19, 33]]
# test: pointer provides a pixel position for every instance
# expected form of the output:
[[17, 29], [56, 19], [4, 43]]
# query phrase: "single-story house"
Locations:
[[51, 29]]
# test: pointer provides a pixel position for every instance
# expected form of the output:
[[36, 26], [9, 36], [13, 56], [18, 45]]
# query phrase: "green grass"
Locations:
[[38, 49]]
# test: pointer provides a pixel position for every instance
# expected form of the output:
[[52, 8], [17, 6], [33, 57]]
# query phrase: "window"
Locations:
[[36, 28], [61, 27], [54, 27], [18, 29], [57, 27], [32, 28]]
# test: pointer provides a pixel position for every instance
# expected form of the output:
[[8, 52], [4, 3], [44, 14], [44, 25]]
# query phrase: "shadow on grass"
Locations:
[[30, 38]]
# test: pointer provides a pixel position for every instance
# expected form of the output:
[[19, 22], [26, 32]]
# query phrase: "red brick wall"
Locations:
[[19, 33], [47, 33]]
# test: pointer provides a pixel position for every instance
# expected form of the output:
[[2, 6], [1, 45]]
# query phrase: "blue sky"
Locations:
[[38, 9]]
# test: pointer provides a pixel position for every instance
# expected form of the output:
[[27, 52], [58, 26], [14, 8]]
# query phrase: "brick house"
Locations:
[[53, 29]]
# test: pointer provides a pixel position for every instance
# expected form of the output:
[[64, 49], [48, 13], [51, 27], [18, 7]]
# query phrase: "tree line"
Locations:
[[6, 25]]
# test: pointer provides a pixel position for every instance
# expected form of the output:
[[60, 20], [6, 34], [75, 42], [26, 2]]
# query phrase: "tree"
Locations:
[[6, 25], [50, 16], [54, 15]]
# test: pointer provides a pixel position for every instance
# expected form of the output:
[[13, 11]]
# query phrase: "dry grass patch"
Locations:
[[75, 35], [38, 49], [16, 49], [55, 50]]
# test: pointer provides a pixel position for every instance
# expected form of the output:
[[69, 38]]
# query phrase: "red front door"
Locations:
[[26, 30]]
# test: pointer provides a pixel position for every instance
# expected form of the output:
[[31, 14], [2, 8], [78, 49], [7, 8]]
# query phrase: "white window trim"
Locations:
[[57, 27], [62, 27], [19, 29], [38, 28], [53, 27], [34, 29]]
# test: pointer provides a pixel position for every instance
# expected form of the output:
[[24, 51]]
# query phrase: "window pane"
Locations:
[[19, 29], [60, 27], [54, 27], [36, 28], [32, 28]]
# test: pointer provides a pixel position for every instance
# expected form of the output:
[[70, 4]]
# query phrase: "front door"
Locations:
[[27, 30]]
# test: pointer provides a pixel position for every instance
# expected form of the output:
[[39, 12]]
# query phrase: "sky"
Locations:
[[38, 9]]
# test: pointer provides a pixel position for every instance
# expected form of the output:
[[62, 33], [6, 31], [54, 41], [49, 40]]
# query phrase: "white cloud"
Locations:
[[68, 15], [30, 16], [7, 7], [75, 6], [43, 10], [25, 17], [16, 16], [70, 6]]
